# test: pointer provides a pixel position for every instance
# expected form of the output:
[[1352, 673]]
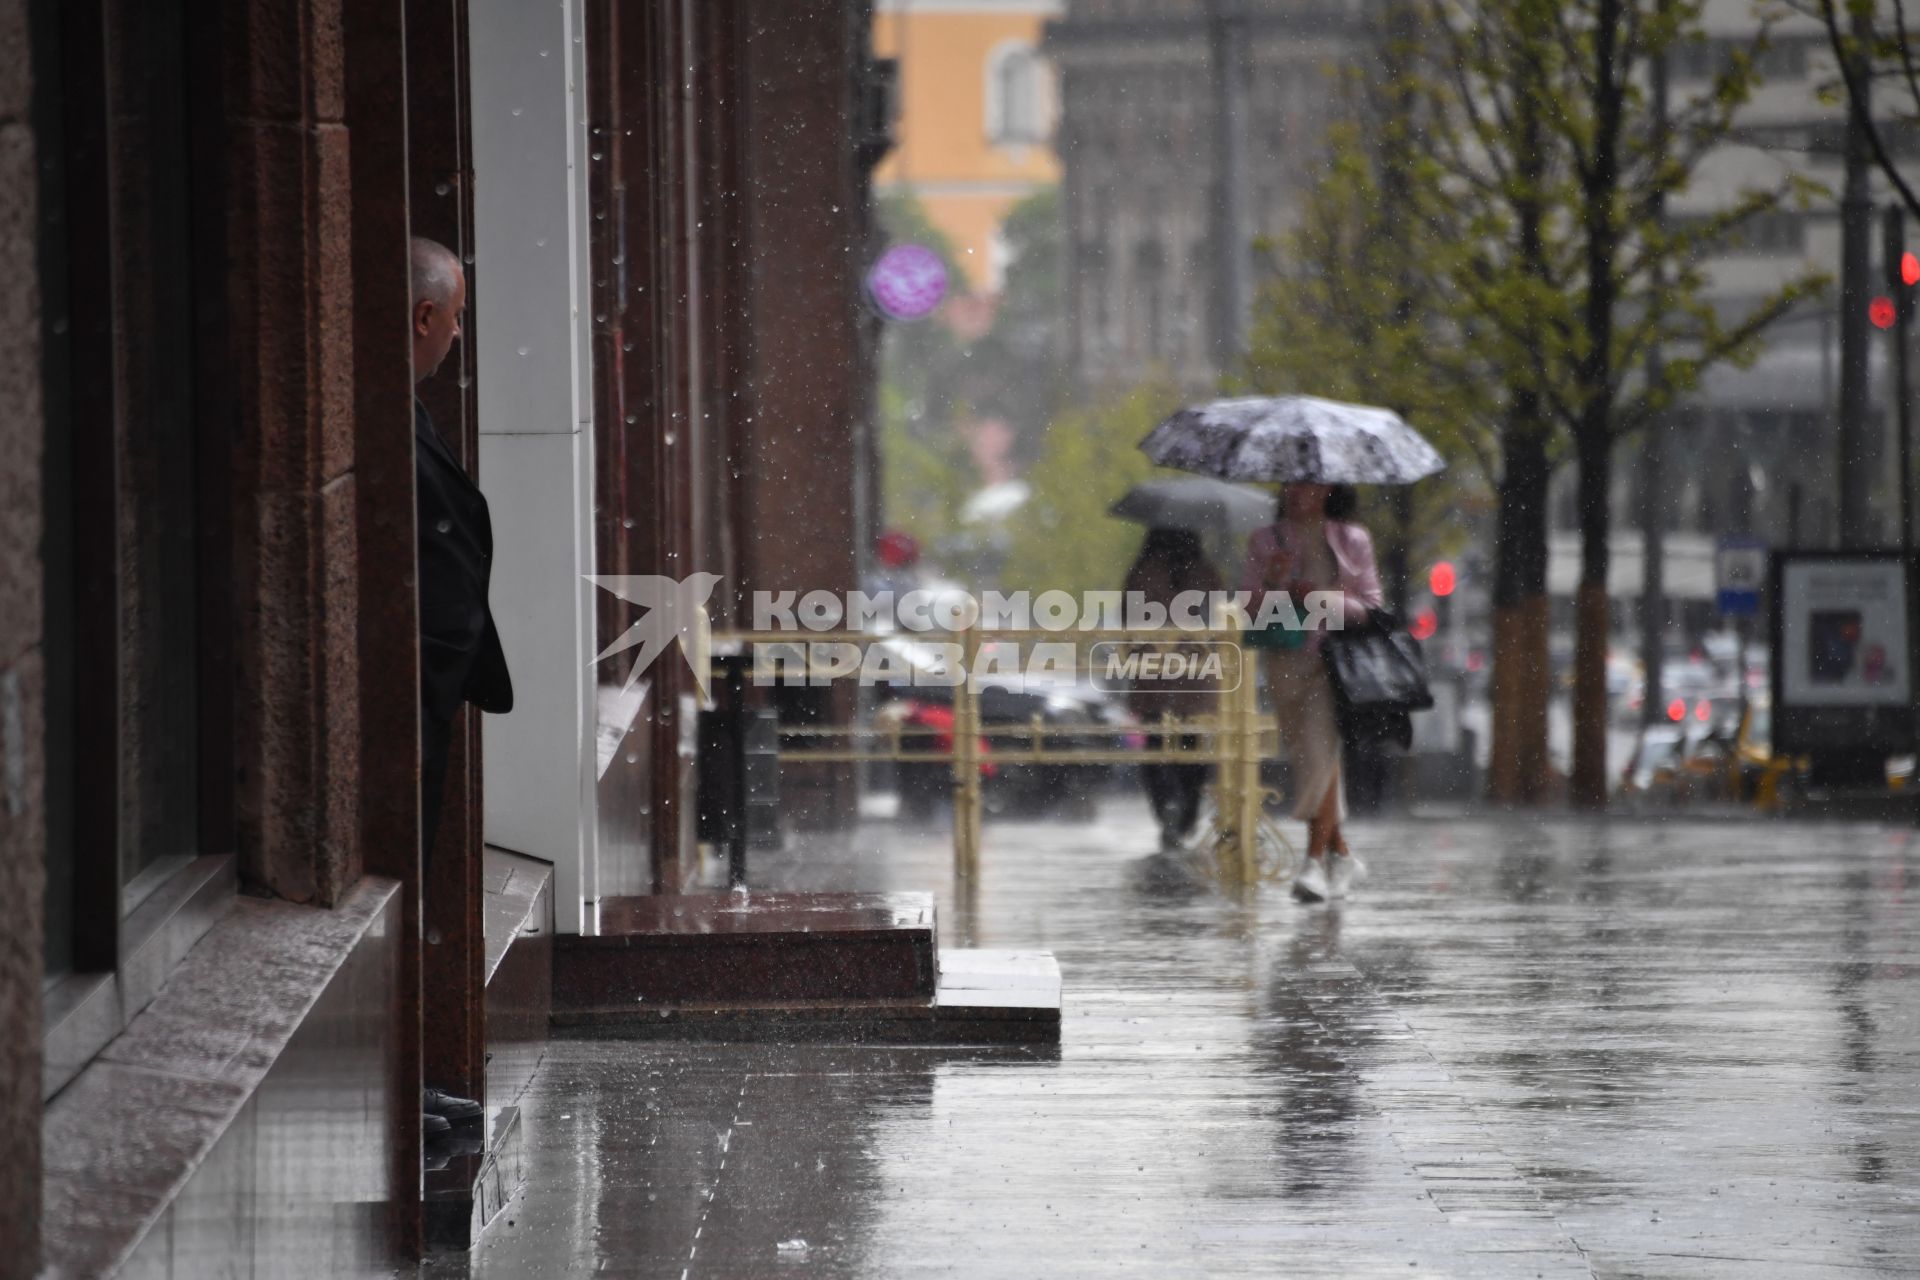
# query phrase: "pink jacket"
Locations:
[[1352, 549]]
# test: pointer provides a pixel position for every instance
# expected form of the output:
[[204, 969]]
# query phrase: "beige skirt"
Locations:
[[1303, 704]]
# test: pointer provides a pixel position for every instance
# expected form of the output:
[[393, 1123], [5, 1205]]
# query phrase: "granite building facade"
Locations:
[[225, 980]]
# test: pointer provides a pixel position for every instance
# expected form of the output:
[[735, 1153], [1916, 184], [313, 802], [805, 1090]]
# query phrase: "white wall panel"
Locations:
[[535, 419]]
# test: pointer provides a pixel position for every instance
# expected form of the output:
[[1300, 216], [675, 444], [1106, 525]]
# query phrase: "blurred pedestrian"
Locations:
[[1314, 544], [460, 655], [1171, 561]]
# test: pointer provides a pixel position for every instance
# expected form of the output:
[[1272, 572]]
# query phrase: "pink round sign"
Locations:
[[908, 282]]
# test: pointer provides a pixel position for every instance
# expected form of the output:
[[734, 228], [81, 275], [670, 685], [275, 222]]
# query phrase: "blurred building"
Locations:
[[1752, 451], [976, 117], [1755, 450], [225, 979], [1136, 146]]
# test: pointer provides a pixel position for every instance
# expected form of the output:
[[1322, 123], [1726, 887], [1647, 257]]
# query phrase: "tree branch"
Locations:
[[1850, 73]]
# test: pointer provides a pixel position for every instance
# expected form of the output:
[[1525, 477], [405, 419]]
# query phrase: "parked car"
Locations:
[[1074, 712]]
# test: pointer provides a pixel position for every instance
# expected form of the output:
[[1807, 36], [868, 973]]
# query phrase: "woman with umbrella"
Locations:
[[1314, 544], [1317, 449]]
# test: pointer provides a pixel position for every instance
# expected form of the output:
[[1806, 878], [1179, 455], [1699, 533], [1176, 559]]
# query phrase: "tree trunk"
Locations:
[[1522, 672], [1587, 783], [1593, 433], [1522, 676]]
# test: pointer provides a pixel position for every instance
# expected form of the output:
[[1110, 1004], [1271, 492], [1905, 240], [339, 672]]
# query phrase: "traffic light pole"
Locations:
[[1903, 274], [1895, 252], [1854, 461], [1653, 466]]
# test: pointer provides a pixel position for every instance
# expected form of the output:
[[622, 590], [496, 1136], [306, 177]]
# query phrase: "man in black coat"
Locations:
[[460, 655]]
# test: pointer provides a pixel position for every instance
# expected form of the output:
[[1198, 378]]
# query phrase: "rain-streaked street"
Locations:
[[817, 708], [1526, 1049]]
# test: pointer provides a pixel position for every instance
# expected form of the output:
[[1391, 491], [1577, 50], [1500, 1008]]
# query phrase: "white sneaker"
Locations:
[[1311, 884], [1344, 871]]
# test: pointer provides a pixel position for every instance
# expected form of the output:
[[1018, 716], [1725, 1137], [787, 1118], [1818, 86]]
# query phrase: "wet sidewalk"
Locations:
[[1562, 1049]]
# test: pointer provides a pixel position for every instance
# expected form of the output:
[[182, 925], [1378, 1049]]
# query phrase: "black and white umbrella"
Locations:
[[1293, 438], [1199, 503]]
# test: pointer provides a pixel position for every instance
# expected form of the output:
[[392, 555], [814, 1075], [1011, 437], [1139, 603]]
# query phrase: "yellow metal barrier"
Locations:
[[1241, 845]]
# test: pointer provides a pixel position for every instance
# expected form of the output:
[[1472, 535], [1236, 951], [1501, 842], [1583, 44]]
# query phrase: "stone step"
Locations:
[[983, 998], [769, 948]]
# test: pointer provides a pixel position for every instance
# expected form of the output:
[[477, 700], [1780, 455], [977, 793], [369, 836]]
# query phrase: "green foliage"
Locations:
[[1488, 253], [1063, 539], [1018, 368], [933, 383], [926, 476], [1549, 131], [1350, 315]]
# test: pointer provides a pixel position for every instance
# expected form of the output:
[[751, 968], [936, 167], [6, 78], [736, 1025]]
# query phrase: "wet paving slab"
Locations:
[[1555, 1048]]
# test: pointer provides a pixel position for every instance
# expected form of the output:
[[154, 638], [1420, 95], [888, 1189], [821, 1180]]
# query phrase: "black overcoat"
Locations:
[[460, 654]]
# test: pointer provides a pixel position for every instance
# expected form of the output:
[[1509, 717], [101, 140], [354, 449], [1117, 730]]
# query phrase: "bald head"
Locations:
[[439, 289]]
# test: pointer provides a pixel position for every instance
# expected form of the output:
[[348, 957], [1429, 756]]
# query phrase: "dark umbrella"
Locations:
[[1198, 503], [1293, 438]]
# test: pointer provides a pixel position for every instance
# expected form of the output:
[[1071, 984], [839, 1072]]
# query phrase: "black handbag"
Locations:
[[1376, 667]]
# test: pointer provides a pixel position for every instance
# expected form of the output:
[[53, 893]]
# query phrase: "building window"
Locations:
[[131, 447], [1093, 281], [1782, 58], [1776, 232], [1019, 96], [1150, 281]]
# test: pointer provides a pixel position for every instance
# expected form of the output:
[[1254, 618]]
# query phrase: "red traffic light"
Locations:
[[1441, 580], [1909, 269], [1881, 312], [1423, 626]]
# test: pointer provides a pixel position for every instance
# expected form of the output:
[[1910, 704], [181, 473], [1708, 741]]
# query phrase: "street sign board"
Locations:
[[1740, 566], [1842, 653]]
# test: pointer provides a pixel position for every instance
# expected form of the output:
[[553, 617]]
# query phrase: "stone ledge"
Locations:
[[130, 1131]]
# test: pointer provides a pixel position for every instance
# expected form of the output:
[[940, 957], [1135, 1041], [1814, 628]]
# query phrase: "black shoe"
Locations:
[[433, 1126], [438, 1102]]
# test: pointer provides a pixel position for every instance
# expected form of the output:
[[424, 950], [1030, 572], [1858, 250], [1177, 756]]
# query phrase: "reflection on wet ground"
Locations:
[[1528, 1049]]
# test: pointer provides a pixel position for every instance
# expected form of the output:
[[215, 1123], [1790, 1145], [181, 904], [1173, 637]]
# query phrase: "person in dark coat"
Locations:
[[460, 655], [1172, 561]]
